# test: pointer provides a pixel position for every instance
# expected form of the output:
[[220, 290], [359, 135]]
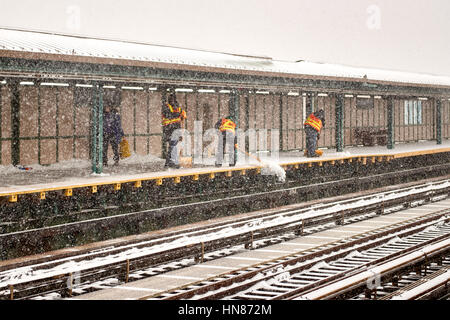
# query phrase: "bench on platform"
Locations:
[[370, 136]]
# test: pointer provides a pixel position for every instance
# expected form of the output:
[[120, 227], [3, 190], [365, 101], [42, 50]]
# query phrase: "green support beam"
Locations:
[[438, 121], [100, 130], [309, 104], [15, 122], [97, 131], [94, 123], [1, 112], [281, 122], [39, 106], [163, 105], [57, 122], [234, 107], [390, 123], [339, 123]]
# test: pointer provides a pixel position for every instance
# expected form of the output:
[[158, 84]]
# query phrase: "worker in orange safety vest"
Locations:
[[313, 125], [227, 138], [172, 118]]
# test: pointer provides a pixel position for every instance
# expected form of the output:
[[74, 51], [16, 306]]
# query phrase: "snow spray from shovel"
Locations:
[[269, 167]]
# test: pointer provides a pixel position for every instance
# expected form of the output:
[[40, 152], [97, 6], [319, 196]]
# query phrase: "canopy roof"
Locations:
[[30, 43]]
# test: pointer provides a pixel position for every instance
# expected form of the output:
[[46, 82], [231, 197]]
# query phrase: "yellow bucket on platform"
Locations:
[[124, 149], [186, 162]]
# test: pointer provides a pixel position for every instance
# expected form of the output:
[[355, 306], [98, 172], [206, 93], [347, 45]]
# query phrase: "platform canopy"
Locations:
[[39, 45]]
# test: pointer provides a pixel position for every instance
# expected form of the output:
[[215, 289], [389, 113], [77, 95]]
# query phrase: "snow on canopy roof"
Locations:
[[39, 42]]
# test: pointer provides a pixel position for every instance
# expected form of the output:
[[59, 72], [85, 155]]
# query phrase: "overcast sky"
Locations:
[[408, 35]]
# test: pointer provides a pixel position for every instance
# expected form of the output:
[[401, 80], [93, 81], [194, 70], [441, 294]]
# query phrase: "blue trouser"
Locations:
[[311, 141], [172, 139], [107, 139], [172, 153], [226, 139]]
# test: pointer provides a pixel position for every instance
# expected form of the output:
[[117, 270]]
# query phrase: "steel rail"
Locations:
[[227, 284], [420, 253], [427, 286], [362, 265]]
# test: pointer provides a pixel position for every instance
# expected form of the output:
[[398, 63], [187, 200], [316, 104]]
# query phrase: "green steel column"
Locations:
[[281, 122], [1, 116], [438, 121], [100, 130], [390, 124], [39, 106], [309, 104], [15, 121], [134, 120], [339, 123], [247, 112], [234, 107], [148, 118], [97, 130], [247, 122], [94, 123], [163, 103], [57, 122]]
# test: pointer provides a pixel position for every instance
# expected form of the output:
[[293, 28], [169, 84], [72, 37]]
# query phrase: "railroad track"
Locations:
[[294, 274], [209, 242], [63, 230], [434, 283], [413, 252]]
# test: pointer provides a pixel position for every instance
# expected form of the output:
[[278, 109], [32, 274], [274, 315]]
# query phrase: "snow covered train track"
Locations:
[[290, 276], [369, 269], [122, 263], [430, 283]]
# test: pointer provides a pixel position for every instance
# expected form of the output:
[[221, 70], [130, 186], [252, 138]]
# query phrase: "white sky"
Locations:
[[408, 35]]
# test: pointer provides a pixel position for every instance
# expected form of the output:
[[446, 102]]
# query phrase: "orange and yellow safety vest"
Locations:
[[181, 116], [227, 125], [314, 122]]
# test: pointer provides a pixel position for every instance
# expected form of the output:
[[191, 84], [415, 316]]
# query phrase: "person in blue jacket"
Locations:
[[112, 134]]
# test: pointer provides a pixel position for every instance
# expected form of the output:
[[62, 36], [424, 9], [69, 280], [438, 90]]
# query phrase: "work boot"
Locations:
[[173, 165]]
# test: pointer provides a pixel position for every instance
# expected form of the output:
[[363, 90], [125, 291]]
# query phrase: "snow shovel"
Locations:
[[250, 155], [124, 149], [318, 152]]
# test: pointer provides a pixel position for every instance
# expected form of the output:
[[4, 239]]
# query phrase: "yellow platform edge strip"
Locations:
[[138, 182]]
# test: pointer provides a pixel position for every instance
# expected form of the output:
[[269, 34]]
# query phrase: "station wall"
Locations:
[[5, 125], [55, 122], [141, 121]]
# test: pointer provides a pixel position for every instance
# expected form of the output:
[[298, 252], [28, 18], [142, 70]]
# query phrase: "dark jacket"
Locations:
[[321, 115], [112, 125], [170, 128]]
